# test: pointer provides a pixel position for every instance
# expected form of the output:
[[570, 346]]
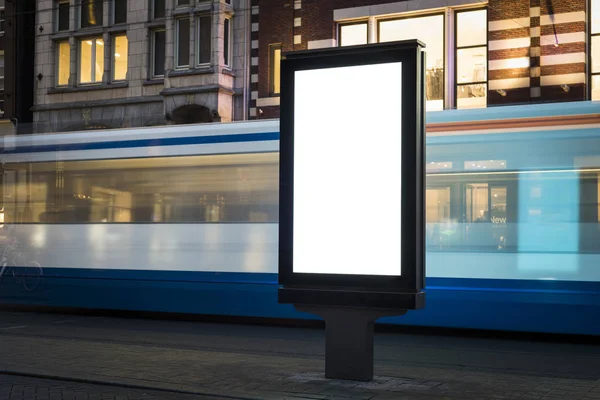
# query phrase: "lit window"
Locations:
[[158, 9], [158, 53], [2, 22], [1, 72], [274, 69], [120, 11], [227, 42], [91, 13], [471, 59], [204, 40], [62, 15], [353, 34], [430, 30], [595, 49], [91, 60], [120, 57], [183, 43], [63, 63]]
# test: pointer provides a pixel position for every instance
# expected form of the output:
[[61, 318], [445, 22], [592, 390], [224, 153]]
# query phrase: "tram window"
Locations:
[[477, 202], [437, 205], [223, 188]]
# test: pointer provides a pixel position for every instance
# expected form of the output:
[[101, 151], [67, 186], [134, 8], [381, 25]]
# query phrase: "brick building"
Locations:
[[121, 63], [479, 53]]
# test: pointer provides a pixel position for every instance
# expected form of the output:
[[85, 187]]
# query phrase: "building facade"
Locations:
[[17, 49], [479, 53], [124, 63]]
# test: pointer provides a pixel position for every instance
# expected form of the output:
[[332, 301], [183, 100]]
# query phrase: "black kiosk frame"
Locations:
[[348, 303]]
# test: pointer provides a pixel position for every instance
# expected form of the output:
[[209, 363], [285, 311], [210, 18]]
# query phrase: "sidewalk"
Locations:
[[255, 362], [25, 388]]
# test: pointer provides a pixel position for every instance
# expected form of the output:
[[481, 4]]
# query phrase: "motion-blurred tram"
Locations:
[[184, 219]]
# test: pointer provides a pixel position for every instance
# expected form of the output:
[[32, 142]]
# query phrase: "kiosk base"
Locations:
[[349, 339]]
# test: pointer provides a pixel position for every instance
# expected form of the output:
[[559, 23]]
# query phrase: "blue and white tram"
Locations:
[[183, 219]]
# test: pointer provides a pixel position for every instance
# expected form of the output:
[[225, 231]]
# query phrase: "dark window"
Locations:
[[120, 11], [158, 9], [183, 2], [183, 42], [63, 16], [91, 13], [204, 40], [227, 40], [2, 21], [158, 53]]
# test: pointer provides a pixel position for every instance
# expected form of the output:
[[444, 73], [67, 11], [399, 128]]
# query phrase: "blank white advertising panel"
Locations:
[[347, 170]]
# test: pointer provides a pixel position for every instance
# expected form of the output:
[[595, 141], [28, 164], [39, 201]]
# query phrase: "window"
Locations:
[[158, 53], [63, 62], [353, 34], [120, 11], [595, 49], [91, 60], [120, 57], [429, 29], [2, 71], [471, 59], [91, 13], [204, 40], [227, 42], [182, 51], [2, 22], [183, 2], [62, 15], [274, 69], [158, 9]]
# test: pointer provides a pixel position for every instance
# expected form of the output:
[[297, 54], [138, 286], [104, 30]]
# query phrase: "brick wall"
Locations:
[[523, 66]]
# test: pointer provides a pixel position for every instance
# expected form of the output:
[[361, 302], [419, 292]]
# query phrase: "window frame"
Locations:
[[57, 63], [153, 10], [272, 48], [2, 21], [590, 19], [94, 40], [114, 12], [152, 69], [227, 43], [57, 16], [176, 52], [445, 61], [198, 39], [456, 85], [113, 58], [361, 22]]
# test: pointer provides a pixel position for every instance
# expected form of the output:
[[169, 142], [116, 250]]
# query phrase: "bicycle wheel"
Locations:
[[31, 275]]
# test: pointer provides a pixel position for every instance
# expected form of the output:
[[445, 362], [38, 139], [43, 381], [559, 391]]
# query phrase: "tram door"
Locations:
[[485, 215]]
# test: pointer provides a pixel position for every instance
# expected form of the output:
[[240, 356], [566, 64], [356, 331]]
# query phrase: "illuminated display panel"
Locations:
[[347, 171]]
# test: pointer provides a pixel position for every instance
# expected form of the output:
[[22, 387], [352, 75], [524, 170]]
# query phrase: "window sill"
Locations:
[[60, 35], [182, 10], [87, 32], [157, 23], [227, 71], [117, 28], [195, 71], [116, 85], [153, 82], [203, 7]]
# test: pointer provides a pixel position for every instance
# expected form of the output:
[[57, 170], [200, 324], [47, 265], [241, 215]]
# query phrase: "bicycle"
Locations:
[[28, 272]]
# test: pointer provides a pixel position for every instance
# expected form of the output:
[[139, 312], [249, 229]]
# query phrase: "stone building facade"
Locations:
[[127, 63], [480, 53]]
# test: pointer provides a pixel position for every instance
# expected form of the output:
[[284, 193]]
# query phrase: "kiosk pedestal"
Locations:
[[349, 339]]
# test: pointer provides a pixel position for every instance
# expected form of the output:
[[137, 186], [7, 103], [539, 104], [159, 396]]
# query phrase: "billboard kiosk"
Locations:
[[351, 222]]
